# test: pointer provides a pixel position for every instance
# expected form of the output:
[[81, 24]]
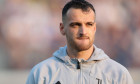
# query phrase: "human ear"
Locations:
[[62, 28]]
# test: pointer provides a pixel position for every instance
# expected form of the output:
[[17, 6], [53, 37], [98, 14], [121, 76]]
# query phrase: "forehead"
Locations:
[[74, 14]]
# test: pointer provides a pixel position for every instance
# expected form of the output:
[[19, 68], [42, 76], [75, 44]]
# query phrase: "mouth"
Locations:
[[83, 38]]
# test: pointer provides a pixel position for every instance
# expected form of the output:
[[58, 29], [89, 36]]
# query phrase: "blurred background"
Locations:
[[29, 34]]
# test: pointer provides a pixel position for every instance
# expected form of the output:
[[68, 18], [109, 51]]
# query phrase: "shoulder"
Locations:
[[112, 66], [115, 71], [45, 68], [49, 63]]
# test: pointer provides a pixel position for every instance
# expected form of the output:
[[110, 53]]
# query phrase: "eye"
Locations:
[[90, 24], [75, 25]]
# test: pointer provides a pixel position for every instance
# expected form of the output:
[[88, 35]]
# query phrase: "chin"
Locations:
[[82, 47]]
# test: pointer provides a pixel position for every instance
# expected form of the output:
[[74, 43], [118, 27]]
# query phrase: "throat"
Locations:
[[86, 54]]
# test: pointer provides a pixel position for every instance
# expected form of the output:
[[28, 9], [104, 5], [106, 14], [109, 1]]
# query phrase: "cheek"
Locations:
[[72, 32], [92, 33], [69, 33]]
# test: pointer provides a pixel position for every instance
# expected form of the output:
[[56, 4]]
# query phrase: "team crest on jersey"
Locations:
[[99, 81]]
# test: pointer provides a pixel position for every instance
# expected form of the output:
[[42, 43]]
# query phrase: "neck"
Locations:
[[86, 54]]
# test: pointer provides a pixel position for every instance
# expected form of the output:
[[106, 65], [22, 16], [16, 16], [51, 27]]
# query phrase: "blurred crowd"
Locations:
[[29, 31]]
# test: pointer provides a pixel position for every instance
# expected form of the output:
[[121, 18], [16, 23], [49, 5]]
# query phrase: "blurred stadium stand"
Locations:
[[29, 33]]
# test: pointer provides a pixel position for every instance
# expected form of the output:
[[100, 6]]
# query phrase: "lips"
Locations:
[[81, 38]]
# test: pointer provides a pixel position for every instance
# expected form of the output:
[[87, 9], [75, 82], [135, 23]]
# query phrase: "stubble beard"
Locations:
[[82, 47], [79, 47]]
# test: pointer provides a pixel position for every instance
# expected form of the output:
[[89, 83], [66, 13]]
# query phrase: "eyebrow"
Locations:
[[75, 23], [80, 23], [91, 22]]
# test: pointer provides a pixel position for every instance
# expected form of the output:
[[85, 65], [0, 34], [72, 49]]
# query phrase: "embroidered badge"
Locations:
[[99, 81]]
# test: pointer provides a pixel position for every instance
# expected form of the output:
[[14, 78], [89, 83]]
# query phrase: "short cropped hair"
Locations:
[[78, 4]]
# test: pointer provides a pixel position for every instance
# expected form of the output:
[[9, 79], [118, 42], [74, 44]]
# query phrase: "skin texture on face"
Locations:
[[79, 28]]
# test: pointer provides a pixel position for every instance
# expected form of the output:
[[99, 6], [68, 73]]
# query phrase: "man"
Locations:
[[80, 62]]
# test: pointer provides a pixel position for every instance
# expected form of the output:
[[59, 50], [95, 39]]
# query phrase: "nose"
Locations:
[[82, 30]]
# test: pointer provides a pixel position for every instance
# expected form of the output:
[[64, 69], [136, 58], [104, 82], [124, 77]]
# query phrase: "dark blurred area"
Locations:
[[29, 31]]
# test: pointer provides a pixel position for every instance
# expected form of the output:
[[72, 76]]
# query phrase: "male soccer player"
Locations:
[[79, 62]]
